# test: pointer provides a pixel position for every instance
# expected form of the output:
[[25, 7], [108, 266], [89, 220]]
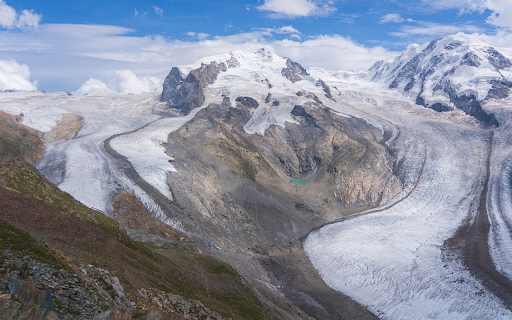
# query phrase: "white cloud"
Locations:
[[391, 17], [501, 9], [122, 81], [431, 29], [501, 13], [15, 76], [92, 85], [287, 29], [500, 39], [332, 52], [8, 15], [202, 35], [9, 18], [297, 8], [159, 11], [125, 81], [136, 13], [462, 5], [28, 20]]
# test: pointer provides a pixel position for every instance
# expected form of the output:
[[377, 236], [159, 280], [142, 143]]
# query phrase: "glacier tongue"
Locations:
[[395, 260]]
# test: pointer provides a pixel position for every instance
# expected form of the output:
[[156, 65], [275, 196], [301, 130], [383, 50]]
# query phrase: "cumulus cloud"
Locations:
[[332, 52], [123, 82], [430, 29], [501, 15], [159, 11], [500, 39], [26, 20], [391, 17], [297, 8], [15, 76], [92, 85], [200, 35], [8, 15]]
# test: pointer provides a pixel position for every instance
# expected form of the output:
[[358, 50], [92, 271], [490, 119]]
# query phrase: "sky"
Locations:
[[129, 46]]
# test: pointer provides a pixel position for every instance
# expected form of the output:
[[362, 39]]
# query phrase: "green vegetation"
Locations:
[[213, 282], [25, 179], [19, 241]]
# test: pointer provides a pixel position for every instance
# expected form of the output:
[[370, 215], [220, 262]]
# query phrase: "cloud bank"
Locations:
[[297, 8], [15, 76], [123, 82], [10, 19], [500, 17]]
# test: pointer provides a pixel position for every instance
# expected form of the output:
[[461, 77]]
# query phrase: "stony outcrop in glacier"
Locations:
[[455, 72], [293, 71], [187, 93]]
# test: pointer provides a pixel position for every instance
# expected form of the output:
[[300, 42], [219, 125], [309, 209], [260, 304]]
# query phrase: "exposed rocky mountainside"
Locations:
[[457, 71]]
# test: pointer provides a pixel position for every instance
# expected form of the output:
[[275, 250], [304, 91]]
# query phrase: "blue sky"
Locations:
[[64, 43]]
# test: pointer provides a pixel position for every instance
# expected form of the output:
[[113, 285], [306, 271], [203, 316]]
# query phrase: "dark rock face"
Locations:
[[187, 94], [470, 59], [497, 59], [467, 103], [247, 102], [327, 90], [470, 105], [293, 71], [33, 302], [500, 89]]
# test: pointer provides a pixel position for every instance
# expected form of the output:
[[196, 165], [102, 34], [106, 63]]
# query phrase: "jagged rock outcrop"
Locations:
[[66, 128], [325, 87], [187, 93], [133, 217], [33, 302], [293, 71]]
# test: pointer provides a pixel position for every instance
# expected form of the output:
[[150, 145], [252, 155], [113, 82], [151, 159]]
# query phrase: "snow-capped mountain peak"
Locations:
[[457, 71]]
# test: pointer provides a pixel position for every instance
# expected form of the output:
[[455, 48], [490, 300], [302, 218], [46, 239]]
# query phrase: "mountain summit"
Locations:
[[457, 71]]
